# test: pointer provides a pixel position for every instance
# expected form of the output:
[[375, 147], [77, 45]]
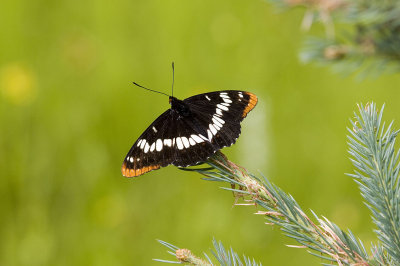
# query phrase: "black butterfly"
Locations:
[[190, 131]]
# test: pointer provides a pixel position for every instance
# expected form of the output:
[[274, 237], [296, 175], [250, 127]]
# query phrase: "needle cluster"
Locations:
[[371, 146], [359, 34]]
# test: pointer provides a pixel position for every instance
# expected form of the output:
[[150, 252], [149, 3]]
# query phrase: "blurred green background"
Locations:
[[69, 114]]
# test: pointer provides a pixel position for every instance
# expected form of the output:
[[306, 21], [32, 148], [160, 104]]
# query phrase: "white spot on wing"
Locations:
[[131, 159], [223, 107], [179, 143], [154, 129], [209, 135], [153, 146], [197, 138], [219, 119], [139, 142], [146, 147], [208, 98], [219, 111], [159, 145], [185, 142], [168, 142], [227, 100], [142, 144], [217, 127], [203, 137], [213, 129], [216, 122], [192, 142], [225, 104], [240, 95]]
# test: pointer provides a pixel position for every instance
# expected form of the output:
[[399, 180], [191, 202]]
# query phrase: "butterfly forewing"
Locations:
[[145, 154], [211, 123]]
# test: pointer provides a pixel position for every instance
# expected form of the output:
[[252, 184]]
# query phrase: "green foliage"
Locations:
[[69, 113], [324, 240], [372, 148], [366, 38]]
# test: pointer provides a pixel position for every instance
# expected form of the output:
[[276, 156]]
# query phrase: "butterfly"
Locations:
[[190, 131]]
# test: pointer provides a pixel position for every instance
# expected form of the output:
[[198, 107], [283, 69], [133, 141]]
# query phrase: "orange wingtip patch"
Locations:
[[252, 103], [137, 172]]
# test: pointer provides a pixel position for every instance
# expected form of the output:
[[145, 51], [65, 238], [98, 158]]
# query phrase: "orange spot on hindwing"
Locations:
[[137, 172], [252, 103]]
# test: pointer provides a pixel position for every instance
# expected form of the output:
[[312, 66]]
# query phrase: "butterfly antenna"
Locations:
[[134, 83], [173, 78]]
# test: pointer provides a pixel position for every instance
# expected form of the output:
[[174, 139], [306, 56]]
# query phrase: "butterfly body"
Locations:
[[179, 106], [190, 131]]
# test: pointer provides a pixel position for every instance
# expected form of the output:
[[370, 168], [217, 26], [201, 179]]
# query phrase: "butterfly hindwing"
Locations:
[[214, 123], [191, 144], [221, 113]]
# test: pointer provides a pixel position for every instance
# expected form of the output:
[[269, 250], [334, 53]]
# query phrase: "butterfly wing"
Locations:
[[170, 139], [145, 155], [191, 144], [220, 113]]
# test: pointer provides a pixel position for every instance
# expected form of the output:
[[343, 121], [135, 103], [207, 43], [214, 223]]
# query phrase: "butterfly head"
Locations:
[[179, 106]]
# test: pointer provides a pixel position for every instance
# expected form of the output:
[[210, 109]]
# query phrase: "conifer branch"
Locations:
[[223, 256], [377, 173], [323, 238], [370, 40], [371, 145]]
